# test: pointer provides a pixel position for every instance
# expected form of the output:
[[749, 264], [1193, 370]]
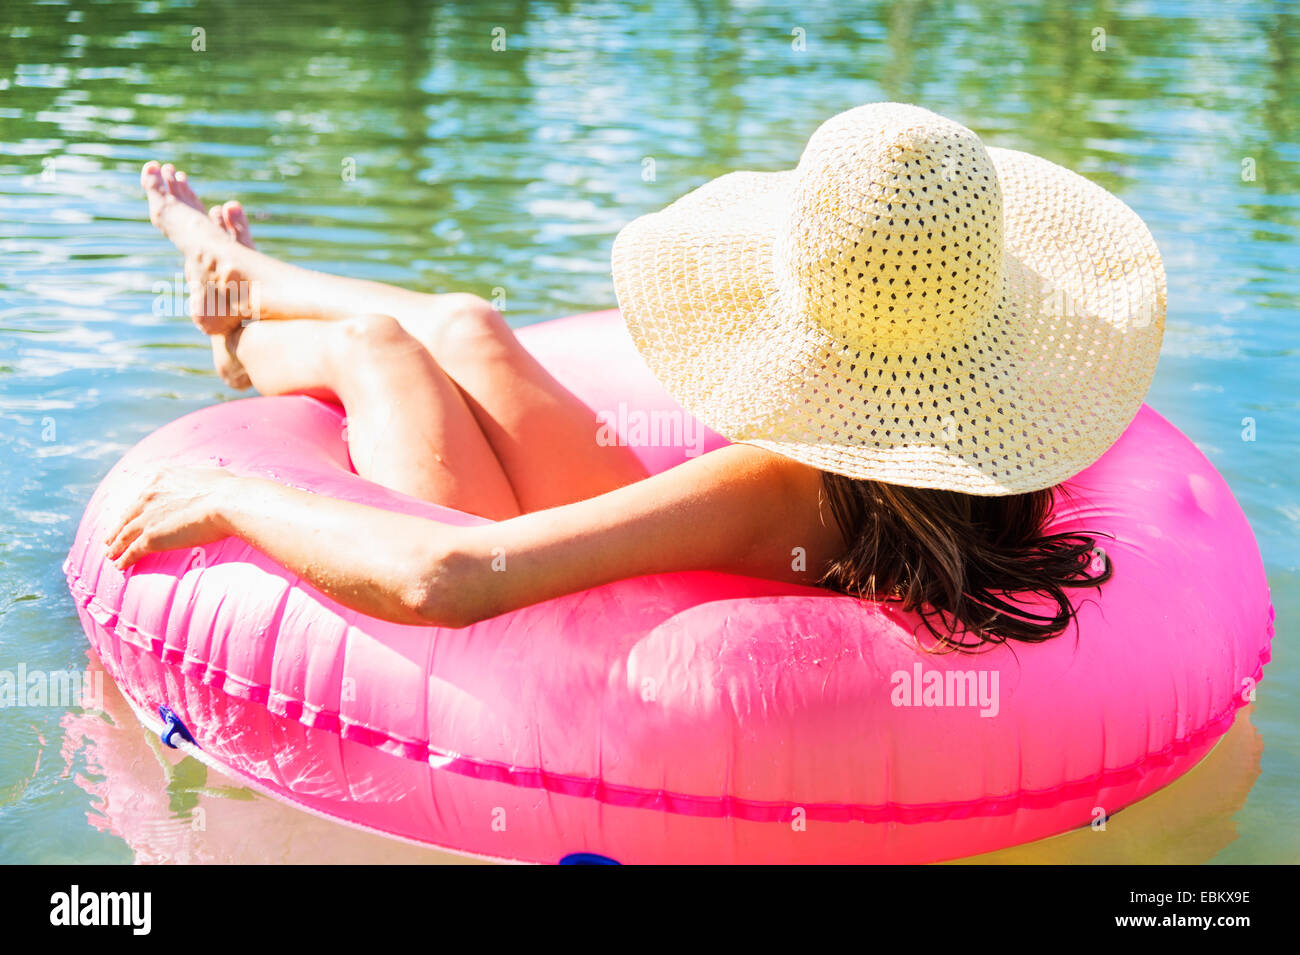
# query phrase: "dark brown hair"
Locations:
[[960, 560]]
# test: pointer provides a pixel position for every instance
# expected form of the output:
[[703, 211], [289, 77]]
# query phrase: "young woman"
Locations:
[[910, 338]]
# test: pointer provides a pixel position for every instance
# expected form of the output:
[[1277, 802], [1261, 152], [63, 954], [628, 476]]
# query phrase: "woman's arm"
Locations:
[[366, 558], [738, 509]]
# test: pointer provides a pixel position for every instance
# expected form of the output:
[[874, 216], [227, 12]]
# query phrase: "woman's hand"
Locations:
[[178, 507]]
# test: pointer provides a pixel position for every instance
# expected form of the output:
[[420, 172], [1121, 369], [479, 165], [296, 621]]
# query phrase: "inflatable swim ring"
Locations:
[[691, 717]]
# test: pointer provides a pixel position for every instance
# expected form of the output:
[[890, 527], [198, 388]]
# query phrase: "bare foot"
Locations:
[[207, 243], [227, 364], [232, 220], [220, 296]]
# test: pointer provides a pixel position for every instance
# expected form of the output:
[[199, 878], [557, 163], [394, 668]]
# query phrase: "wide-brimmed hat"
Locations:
[[906, 305]]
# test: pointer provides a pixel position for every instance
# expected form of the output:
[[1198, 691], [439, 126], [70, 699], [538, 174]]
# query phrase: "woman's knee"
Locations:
[[462, 323], [364, 336]]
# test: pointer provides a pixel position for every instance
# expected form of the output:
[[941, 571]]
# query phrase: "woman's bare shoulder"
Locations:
[[795, 533]]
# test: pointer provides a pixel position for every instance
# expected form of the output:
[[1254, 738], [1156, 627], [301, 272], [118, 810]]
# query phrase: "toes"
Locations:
[[237, 222], [183, 190], [169, 176], [179, 184], [151, 176], [155, 188]]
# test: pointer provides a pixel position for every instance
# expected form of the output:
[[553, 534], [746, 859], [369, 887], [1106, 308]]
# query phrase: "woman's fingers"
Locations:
[[133, 553], [130, 513], [145, 535], [175, 509], [133, 519], [129, 533]]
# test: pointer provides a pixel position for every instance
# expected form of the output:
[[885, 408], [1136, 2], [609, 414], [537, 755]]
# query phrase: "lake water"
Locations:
[[392, 141]]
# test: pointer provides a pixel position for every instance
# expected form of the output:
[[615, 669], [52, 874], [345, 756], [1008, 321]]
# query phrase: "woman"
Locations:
[[910, 338]]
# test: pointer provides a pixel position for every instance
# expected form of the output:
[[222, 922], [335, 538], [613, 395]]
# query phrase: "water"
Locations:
[[509, 172]]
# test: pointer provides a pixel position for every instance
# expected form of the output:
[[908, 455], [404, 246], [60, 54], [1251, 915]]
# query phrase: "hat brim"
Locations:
[[1036, 395]]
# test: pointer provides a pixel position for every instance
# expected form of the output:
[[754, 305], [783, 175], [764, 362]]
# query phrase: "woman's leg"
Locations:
[[544, 437], [408, 425]]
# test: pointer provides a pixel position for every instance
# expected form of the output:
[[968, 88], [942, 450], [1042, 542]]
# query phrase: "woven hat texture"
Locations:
[[906, 305]]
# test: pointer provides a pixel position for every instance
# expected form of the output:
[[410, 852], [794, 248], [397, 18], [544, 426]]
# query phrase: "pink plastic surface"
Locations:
[[688, 717]]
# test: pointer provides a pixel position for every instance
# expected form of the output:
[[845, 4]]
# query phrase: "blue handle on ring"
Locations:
[[172, 726], [587, 858]]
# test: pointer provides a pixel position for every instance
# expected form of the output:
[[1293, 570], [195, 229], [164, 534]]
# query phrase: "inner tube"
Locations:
[[687, 717]]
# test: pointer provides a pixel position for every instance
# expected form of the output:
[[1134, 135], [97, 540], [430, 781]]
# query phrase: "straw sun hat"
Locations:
[[906, 305]]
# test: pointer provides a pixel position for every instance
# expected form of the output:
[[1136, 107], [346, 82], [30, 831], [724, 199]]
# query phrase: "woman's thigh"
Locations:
[[408, 424], [544, 437]]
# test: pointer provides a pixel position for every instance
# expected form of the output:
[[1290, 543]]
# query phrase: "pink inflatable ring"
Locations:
[[689, 717]]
